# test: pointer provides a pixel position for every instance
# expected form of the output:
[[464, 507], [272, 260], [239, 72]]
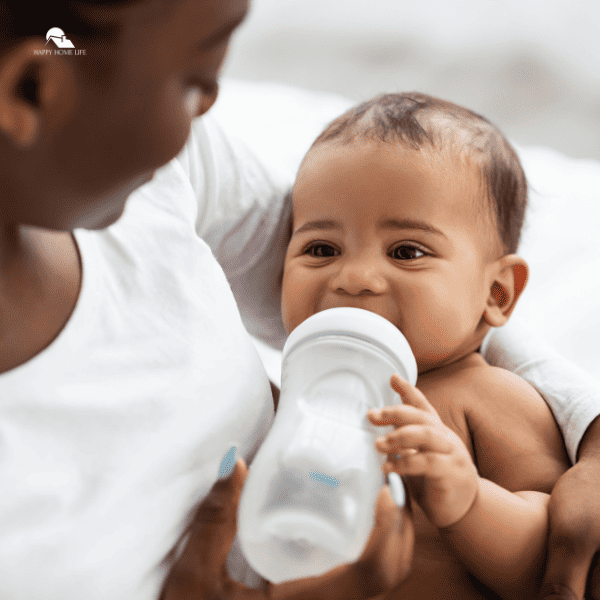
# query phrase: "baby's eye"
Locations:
[[321, 251], [407, 252]]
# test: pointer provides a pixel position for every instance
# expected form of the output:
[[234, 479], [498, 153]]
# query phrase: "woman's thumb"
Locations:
[[215, 522], [199, 569]]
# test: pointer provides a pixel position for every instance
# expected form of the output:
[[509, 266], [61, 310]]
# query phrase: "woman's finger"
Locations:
[[423, 438], [389, 551], [215, 522], [198, 571]]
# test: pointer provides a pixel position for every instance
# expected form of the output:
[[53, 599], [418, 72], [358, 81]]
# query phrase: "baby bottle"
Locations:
[[308, 502]]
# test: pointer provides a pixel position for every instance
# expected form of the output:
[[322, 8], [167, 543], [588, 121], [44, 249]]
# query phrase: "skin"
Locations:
[[392, 230], [405, 255], [99, 127], [141, 111], [574, 528]]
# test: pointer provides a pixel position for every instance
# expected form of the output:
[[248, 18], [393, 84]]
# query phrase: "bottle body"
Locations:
[[308, 502]]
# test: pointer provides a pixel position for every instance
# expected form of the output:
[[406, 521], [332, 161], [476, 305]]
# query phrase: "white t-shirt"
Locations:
[[112, 434]]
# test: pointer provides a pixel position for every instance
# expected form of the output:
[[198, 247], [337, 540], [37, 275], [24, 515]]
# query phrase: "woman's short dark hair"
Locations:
[[417, 120], [19, 19]]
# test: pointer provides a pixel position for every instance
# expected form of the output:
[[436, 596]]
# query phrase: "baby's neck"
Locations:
[[457, 357]]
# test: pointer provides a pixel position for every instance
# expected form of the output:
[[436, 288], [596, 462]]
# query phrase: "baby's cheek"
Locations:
[[432, 331], [298, 298], [289, 301]]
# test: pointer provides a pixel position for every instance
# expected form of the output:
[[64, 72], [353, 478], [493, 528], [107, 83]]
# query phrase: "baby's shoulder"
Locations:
[[474, 384], [507, 420]]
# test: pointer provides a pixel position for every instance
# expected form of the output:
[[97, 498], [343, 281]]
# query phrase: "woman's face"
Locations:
[[135, 115]]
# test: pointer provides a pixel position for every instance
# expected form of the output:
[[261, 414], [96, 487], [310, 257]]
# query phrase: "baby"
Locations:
[[411, 207]]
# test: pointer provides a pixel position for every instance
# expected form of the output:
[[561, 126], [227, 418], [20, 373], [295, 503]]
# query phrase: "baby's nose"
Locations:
[[361, 276]]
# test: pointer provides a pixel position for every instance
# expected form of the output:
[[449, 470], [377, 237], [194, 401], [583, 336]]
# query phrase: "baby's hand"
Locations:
[[438, 468]]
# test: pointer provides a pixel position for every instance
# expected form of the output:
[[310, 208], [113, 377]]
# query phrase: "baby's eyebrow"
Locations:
[[409, 224], [318, 226]]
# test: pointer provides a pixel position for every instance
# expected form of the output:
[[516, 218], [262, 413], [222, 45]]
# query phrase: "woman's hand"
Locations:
[[200, 573], [439, 471], [384, 564], [387, 558], [574, 540]]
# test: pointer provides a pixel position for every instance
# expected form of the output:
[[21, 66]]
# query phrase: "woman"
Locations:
[[125, 372]]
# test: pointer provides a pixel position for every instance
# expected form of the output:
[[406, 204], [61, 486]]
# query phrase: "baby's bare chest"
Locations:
[[436, 572]]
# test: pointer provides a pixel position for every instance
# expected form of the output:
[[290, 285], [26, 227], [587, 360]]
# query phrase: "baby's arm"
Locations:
[[499, 535], [574, 397]]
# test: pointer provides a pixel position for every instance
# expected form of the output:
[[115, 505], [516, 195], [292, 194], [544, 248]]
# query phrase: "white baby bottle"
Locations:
[[308, 502]]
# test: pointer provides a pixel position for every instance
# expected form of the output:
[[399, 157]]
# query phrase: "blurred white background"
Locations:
[[531, 66]]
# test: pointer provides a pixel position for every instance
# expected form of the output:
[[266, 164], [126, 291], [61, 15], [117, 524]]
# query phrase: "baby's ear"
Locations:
[[509, 276]]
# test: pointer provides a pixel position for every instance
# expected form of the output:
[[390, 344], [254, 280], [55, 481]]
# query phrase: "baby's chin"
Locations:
[[433, 360]]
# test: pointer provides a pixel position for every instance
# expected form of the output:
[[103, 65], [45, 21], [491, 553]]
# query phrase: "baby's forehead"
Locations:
[[450, 135], [433, 170], [451, 170], [449, 161]]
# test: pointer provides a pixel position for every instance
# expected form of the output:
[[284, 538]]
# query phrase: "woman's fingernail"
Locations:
[[228, 463]]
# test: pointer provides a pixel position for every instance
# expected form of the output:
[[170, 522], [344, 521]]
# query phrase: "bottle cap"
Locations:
[[357, 323]]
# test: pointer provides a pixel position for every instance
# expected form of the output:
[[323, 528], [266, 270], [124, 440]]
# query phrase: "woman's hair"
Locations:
[[417, 120], [19, 19]]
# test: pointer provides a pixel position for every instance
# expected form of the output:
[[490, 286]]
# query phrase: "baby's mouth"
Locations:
[[370, 306]]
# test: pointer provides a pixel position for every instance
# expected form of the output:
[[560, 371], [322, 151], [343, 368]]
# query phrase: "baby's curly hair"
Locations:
[[418, 120]]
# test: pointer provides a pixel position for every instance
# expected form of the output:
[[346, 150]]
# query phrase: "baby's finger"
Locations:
[[410, 395], [423, 438], [430, 464], [400, 415]]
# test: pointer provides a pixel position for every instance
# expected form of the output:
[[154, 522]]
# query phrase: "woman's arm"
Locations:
[[574, 543]]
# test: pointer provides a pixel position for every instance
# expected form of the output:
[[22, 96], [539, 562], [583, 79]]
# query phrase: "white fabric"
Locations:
[[111, 435], [560, 304]]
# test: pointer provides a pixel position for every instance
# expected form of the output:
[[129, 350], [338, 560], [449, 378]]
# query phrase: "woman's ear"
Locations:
[[508, 280], [37, 90]]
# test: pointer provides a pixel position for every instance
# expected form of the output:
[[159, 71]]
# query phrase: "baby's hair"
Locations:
[[417, 120]]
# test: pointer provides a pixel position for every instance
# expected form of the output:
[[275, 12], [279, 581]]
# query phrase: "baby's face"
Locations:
[[397, 232]]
